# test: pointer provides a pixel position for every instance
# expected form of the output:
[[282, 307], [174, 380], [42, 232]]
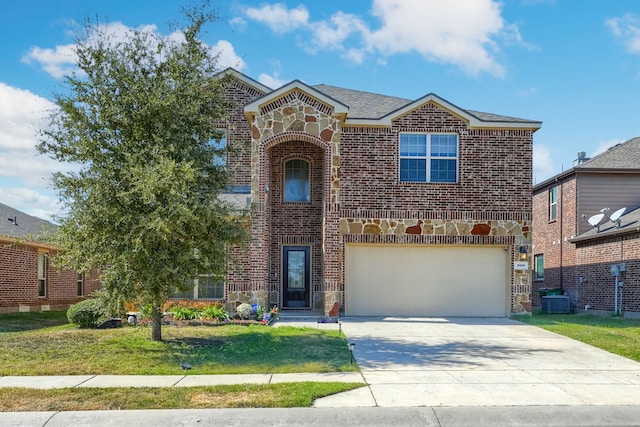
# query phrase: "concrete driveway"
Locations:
[[480, 362]]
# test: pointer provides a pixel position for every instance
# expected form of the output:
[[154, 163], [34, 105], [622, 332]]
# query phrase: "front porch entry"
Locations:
[[296, 283]]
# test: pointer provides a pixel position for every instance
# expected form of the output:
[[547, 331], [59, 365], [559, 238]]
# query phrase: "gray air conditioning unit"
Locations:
[[556, 304]]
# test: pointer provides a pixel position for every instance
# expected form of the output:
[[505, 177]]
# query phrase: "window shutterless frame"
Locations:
[[553, 203], [42, 274], [297, 173], [538, 267], [428, 157]]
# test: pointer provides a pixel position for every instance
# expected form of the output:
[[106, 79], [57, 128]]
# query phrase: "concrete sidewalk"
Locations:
[[101, 381], [415, 371], [550, 416]]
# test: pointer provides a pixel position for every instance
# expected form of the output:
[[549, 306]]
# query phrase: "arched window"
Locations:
[[296, 181]]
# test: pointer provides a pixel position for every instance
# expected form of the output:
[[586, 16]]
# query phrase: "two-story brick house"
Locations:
[[574, 241], [28, 280], [387, 206]]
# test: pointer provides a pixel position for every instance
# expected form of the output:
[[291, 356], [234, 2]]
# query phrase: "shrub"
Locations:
[[87, 314], [185, 313], [215, 312], [244, 311]]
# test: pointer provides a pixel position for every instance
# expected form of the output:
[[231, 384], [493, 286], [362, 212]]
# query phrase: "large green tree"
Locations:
[[137, 123]]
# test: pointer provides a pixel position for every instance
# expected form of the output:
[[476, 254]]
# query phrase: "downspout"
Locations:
[[560, 206]]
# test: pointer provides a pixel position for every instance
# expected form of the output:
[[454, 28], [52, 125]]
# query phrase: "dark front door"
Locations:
[[295, 276]]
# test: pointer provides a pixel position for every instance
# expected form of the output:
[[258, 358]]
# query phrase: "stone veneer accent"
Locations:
[[360, 199]]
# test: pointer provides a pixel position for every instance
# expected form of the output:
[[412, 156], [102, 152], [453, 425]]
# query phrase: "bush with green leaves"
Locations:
[[89, 313], [185, 313], [215, 312]]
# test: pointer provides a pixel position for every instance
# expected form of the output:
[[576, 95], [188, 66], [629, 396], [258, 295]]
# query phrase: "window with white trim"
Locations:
[[428, 157], [205, 286], [42, 274], [553, 203]]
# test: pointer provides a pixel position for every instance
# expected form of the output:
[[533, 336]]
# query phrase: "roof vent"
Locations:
[[14, 220], [582, 157]]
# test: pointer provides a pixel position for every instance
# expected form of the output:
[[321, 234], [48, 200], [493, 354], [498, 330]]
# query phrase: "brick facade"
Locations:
[[578, 262], [552, 238], [19, 280], [356, 195]]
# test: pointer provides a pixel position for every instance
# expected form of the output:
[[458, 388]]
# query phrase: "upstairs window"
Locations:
[[426, 157], [296, 181], [553, 203]]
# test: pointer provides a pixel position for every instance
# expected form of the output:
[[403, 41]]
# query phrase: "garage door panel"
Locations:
[[426, 280]]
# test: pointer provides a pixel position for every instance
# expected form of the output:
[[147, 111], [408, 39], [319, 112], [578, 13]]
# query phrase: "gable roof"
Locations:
[[381, 109], [359, 108], [243, 78], [623, 157], [338, 107], [17, 224]]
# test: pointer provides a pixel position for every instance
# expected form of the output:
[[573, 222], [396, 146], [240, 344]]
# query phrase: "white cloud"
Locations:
[[61, 60], [30, 201], [227, 56], [272, 82], [58, 62], [280, 19], [458, 33], [627, 30], [22, 114], [238, 23], [543, 167], [333, 33], [605, 145], [464, 33]]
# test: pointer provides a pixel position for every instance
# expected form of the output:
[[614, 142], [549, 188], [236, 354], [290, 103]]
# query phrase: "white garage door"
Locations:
[[405, 280]]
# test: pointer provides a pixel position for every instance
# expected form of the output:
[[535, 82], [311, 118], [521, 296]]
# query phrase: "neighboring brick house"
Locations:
[[387, 206], [28, 281], [570, 253]]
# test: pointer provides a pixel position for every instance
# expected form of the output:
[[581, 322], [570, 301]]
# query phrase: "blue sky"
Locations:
[[574, 65]]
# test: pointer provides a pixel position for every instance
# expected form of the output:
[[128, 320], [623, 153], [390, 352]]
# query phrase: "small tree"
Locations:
[[138, 123]]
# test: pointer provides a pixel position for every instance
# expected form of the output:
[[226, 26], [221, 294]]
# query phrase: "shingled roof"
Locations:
[[367, 105], [621, 156], [17, 224]]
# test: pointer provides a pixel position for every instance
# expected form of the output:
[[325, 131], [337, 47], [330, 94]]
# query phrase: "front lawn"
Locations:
[[614, 334], [45, 344], [283, 395], [57, 348]]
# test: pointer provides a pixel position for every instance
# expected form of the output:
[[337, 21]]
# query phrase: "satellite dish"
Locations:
[[615, 217], [595, 220]]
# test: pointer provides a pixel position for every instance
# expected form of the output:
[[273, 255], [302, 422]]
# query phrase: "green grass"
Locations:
[[51, 347], [614, 334], [284, 395], [43, 343], [18, 322]]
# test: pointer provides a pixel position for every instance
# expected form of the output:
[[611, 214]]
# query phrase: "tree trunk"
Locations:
[[156, 323]]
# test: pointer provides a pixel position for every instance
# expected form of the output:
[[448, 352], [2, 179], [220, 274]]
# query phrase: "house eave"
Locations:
[[472, 120], [603, 235], [29, 243], [252, 109], [244, 79]]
